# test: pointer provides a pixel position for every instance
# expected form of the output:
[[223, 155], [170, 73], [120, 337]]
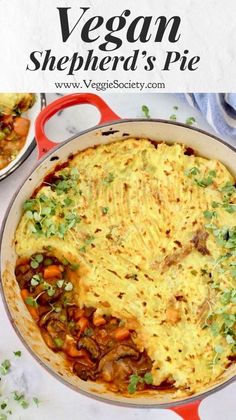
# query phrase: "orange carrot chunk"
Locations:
[[21, 126], [98, 320], [72, 276], [72, 351], [121, 333], [83, 323], [32, 310], [52, 271]]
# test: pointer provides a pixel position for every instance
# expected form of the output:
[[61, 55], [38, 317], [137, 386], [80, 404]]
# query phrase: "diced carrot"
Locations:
[[24, 294], [21, 126], [74, 352], [131, 324], [121, 333], [72, 276], [98, 320], [83, 323], [52, 271], [32, 310], [172, 315], [71, 348]]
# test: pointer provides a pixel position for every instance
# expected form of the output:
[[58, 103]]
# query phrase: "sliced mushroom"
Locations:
[[48, 340], [45, 299], [84, 372], [48, 315], [117, 353], [90, 345], [23, 277]]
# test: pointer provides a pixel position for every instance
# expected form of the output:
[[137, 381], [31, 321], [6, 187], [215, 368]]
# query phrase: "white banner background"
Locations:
[[207, 29]]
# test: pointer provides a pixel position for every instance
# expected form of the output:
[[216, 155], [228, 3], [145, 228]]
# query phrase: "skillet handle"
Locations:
[[188, 411], [43, 143]]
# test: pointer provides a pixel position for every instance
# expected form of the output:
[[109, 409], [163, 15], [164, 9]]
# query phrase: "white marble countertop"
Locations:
[[57, 401]]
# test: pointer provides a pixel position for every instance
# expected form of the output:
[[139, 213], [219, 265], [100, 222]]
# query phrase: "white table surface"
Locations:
[[57, 401]]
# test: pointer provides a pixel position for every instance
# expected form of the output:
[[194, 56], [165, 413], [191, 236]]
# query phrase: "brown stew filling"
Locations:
[[98, 348], [13, 134]]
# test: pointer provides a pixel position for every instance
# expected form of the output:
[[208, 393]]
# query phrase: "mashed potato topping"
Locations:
[[153, 231]]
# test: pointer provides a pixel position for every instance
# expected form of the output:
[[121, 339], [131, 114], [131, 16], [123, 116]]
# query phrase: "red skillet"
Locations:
[[110, 128]]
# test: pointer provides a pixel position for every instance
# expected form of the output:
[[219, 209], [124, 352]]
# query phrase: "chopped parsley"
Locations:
[[215, 329], [225, 236], [74, 266], [173, 117], [41, 210], [49, 288], [58, 342], [20, 398], [190, 121], [148, 379], [68, 202], [135, 379], [194, 272], [5, 367], [108, 179], [192, 171], [201, 182], [68, 286], [145, 111], [47, 262], [133, 382], [31, 301], [36, 260], [228, 188], [222, 319], [230, 208], [88, 332], [36, 401], [36, 279], [105, 210], [60, 283], [204, 182], [10, 397], [209, 214], [218, 349]]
